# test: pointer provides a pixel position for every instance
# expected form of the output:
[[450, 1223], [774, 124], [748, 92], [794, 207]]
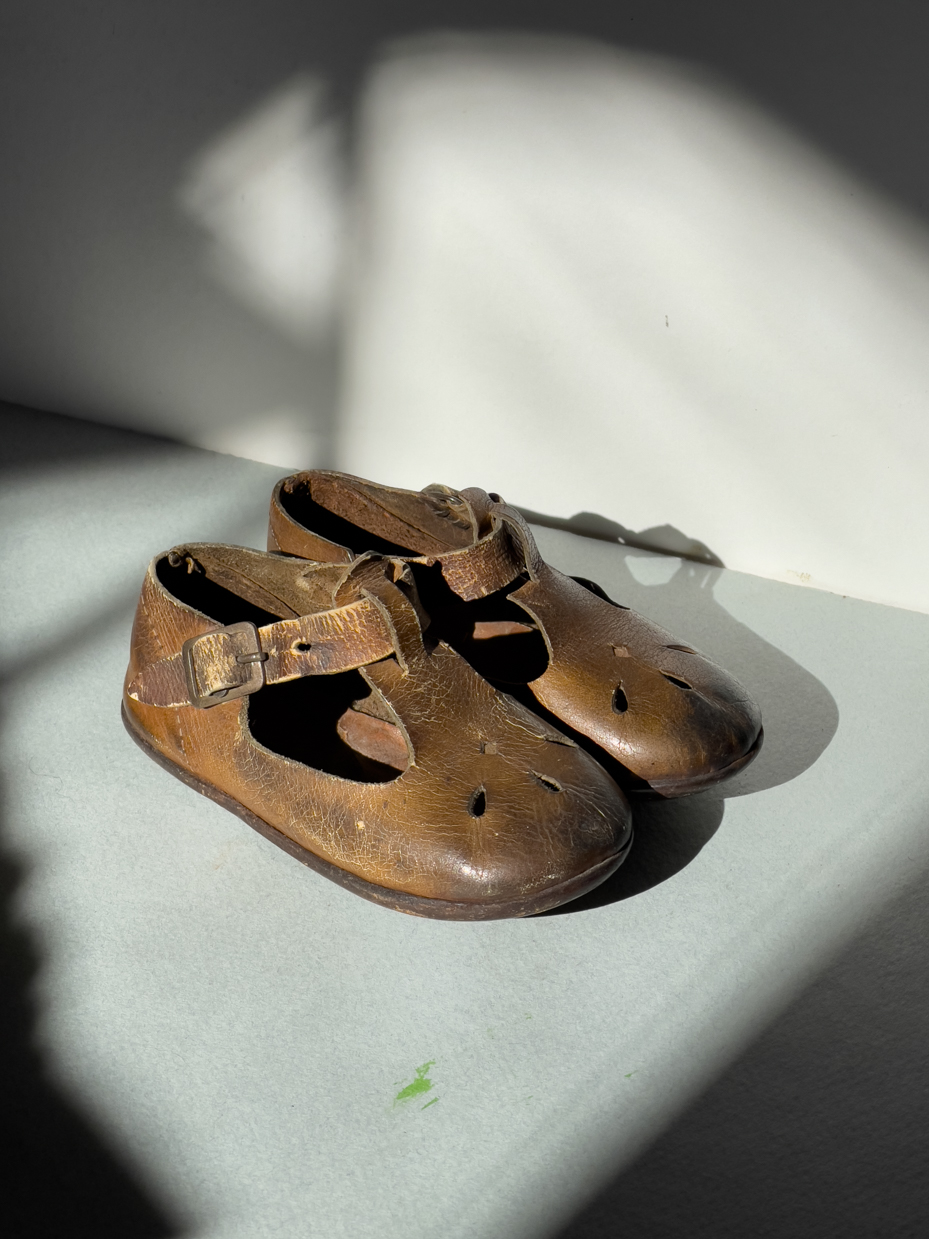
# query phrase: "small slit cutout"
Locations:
[[550, 784], [302, 647], [684, 649], [672, 679]]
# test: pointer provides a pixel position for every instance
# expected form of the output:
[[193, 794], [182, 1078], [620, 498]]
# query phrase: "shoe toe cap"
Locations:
[[525, 835]]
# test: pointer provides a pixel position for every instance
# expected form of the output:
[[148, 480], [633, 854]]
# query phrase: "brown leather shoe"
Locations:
[[668, 716], [304, 698]]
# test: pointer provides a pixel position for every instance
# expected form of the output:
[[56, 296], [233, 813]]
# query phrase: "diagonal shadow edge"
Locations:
[[819, 1127]]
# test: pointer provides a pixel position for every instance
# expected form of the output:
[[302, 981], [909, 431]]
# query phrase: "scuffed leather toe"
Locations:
[[666, 713], [509, 807]]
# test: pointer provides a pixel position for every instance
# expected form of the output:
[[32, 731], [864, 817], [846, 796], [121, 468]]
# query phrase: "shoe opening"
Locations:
[[300, 505], [312, 721], [495, 635]]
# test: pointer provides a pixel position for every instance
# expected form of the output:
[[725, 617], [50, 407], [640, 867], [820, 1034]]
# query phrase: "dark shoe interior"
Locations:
[[297, 719], [303, 508], [515, 658], [188, 581]]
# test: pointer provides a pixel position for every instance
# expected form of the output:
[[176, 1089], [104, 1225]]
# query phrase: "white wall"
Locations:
[[600, 282], [593, 281], [170, 213], [590, 279]]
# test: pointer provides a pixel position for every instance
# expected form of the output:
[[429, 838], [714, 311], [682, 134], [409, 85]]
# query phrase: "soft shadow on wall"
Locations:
[[269, 197], [171, 229], [592, 278], [664, 539]]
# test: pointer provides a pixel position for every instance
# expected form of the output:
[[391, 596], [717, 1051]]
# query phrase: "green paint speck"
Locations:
[[421, 1084], [429, 1103], [630, 1074]]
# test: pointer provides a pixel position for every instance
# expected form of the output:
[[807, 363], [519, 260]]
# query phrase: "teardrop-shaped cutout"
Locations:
[[478, 803], [620, 701]]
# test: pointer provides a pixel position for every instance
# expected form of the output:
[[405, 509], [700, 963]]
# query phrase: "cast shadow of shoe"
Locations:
[[663, 539], [800, 714]]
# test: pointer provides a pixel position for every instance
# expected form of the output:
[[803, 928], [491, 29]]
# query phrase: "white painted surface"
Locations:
[[238, 1028], [588, 280], [602, 283], [172, 214]]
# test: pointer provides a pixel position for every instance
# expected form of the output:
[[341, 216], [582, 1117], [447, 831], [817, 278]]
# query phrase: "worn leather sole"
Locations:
[[399, 901]]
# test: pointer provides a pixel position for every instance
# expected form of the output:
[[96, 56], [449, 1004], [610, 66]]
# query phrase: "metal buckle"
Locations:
[[244, 653]]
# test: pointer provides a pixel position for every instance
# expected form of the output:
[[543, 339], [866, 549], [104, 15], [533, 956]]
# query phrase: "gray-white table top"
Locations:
[[240, 1029]]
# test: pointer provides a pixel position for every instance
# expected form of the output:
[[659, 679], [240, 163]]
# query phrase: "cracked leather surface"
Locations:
[[493, 805], [666, 713]]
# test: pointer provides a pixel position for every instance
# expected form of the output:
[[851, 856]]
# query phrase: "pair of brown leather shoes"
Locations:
[[404, 698]]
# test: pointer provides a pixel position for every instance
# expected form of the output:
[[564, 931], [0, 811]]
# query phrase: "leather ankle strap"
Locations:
[[233, 661]]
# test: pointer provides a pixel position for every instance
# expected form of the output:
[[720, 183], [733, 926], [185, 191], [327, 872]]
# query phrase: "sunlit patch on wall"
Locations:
[[649, 570], [614, 285], [269, 194], [284, 437]]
